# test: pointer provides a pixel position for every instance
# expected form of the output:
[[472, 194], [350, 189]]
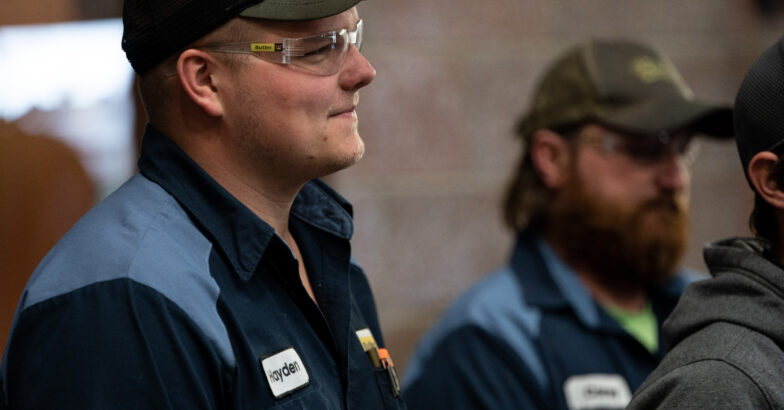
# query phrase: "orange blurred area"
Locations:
[[45, 189]]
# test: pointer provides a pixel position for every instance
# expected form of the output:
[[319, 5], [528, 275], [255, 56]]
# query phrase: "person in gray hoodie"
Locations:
[[726, 334]]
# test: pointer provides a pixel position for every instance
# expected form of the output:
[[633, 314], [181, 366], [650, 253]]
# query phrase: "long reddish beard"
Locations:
[[623, 246]]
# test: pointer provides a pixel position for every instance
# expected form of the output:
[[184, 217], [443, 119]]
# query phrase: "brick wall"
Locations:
[[453, 76]]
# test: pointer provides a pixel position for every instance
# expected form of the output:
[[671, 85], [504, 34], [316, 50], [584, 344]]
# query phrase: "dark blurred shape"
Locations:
[[100, 9], [768, 7], [140, 118], [43, 190]]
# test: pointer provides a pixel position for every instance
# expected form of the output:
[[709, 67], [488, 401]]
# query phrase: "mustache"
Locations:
[[665, 203]]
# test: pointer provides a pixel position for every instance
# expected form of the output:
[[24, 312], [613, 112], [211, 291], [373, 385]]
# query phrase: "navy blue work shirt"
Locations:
[[171, 294], [530, 336]]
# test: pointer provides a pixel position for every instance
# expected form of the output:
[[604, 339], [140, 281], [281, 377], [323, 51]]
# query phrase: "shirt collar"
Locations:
[[320, 206], [234, 228], [548, 282]]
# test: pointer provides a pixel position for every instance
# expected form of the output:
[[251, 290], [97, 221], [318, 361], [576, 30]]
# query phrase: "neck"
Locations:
[[631, 298], [270, 202], [268, 197], [777, 251]]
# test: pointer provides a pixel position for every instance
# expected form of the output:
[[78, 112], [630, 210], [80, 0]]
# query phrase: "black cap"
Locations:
[[622, 83], [153, 30], [759, 106]]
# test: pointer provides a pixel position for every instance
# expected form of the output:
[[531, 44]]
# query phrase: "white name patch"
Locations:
[[597, 391], [285, 372]]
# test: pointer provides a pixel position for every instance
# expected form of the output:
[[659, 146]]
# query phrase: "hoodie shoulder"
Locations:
[[724, 365]]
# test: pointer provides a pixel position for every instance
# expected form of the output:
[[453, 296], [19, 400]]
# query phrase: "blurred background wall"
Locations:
[[453, 77]]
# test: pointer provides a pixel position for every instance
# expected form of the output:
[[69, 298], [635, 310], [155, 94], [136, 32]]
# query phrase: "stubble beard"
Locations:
[[254, 142], [353, 154], [623, 247]]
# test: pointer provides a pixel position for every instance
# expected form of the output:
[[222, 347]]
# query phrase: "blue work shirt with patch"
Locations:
[[171, 294], [530, 336]]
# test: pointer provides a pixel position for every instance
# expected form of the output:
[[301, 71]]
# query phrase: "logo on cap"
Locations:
[[650, 70]]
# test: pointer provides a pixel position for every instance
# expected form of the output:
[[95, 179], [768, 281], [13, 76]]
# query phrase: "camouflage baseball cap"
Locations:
[[153, 30], [623, 84]]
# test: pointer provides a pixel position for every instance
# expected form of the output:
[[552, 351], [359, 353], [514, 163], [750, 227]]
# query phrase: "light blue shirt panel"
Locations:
[[495, 304], [140, 233]]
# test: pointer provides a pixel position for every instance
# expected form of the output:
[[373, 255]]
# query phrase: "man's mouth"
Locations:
[[344, 111]]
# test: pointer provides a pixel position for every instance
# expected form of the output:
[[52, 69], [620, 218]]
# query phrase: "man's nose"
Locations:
[[357, 71], [672, 172]]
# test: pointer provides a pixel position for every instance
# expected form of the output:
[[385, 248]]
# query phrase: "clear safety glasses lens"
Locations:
[[321, 54], [645, 149], [654, 149]]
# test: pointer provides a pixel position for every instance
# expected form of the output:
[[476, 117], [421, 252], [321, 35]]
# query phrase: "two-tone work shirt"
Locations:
[[171, 294], [530, 336]]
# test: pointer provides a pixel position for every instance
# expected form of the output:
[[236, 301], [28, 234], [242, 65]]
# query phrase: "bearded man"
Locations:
[[599, 204]]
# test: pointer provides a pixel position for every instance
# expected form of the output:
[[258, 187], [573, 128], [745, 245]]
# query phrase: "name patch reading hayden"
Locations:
[[285, 372]]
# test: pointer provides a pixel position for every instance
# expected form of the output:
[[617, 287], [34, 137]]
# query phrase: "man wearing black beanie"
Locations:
[[726, 334]]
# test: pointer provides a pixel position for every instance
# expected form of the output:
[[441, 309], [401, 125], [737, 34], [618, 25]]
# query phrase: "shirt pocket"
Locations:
[[385, 387]]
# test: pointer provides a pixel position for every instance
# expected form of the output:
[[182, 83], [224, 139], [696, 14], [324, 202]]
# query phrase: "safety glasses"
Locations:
[[645, 150], [321, 54]]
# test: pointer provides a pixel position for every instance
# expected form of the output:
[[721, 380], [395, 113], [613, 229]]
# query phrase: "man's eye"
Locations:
[[320, 50], [640, 148], [316, 54]]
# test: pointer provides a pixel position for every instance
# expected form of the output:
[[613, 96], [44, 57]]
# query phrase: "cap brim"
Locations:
[[673, 114], [297, 9]]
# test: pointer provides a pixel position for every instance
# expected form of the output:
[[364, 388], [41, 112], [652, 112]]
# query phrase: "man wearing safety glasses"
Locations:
[[599, 205], [221, 275]]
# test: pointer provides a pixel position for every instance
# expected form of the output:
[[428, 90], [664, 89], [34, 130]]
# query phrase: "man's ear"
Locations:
[[196, 70], [550, 155], [763, 177]]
